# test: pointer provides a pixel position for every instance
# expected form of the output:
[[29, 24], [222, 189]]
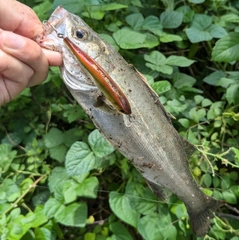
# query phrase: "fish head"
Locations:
[[86, 58]]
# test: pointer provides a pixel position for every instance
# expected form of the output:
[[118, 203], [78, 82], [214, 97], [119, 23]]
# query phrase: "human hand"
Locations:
[[23, 63]]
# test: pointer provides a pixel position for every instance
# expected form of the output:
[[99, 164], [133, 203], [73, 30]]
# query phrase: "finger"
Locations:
[[26, 51], [14, 77], [54, 58], [19, 18]]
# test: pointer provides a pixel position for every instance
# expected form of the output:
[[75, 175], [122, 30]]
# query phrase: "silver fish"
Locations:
[[127, 112]]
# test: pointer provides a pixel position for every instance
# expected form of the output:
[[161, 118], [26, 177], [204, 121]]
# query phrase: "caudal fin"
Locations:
[[200, 220]]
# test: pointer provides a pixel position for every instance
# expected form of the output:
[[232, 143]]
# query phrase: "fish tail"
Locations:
[[200, 220]]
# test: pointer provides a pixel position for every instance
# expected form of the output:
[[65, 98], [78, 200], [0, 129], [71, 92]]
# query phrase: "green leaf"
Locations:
[[171, 19], [58, 177], [43, 233], [58, 153], [236, 151], [88, 188], [6, 155], [184, 122], [182, 80], [199, 29], [120, 231], [135, 20], [53, 138], [197, 115], [69, 191], [229, 197], [166, 37], [79, 159], [161, 86], [179, 61], [129, 39], [214, 78], [232, 93], [227, 48], [121, 207], [9, 191], [217, 31], [74, 215], [152, 24], [157, 62], [207, 179], [52, 207], [100, 147]]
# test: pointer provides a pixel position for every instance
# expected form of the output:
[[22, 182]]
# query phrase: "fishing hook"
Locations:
[[60, 35]]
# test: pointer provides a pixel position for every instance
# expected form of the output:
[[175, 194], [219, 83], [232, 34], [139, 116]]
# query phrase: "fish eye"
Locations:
[[80, 33]]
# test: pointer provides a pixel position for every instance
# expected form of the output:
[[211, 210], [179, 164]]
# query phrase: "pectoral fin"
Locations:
[[161, 192], [188, 147]]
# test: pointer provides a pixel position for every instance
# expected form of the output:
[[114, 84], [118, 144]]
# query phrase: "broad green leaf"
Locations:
[[73, 6], [182, 80], [229, 197], [52, 207], [171, 19], [69, 191], [195, 35], [166, 37], [152, 24], [179, 61], [88, 188], [156, 226], [58, 177], [197, 115], [6, 155], [236, 151], [135, 20], [58, 153], [120, 231], [156, 58], [129, 39], [157, 62], [232, 93], [161, 86], [227, 48], [199, 29], [215, 110], [217, 31], [9, 190], [74, 215], [184, 122], [187, 12], [79, 159], [53, 138], [214, 78], [160, 68], [121, 207], [100, 147], [43, 234], [207, 179], [13, 139], [197, 1]]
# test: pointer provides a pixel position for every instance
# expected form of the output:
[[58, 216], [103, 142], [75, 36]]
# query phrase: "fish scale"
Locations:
[[146, 136]]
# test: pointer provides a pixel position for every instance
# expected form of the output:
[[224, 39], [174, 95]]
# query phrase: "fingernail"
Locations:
[[12, 40]]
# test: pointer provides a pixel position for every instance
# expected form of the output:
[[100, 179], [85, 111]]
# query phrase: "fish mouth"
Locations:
[[102, 79]]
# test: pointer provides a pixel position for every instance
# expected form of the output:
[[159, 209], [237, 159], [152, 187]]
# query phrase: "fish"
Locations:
[[127, 112]]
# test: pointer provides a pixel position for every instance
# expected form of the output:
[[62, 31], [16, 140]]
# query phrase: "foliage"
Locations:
[[61, 180]]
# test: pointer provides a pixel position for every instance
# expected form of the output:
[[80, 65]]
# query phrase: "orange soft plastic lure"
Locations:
[[106, 84]]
